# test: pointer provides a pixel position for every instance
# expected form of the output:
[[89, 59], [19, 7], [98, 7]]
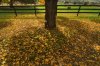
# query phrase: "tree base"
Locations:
[[51, 13]]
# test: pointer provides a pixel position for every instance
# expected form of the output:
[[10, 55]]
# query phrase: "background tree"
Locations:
[[0, 1], [27, 1], [51, 12], [42, 1], [5, 1], [22, 1], [11, 3]]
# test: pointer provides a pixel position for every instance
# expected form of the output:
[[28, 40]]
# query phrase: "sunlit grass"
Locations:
[[30, 9]]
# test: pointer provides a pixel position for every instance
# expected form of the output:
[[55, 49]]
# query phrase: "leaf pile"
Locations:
[[27, 43]]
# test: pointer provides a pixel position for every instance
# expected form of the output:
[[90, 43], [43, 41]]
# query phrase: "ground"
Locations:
[[25, 42]]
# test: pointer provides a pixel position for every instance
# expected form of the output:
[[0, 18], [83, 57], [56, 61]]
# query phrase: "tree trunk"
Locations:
[[0, 1], [11, 3], [51, 12]]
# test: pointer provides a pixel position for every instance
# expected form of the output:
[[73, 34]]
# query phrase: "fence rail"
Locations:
[[61, 9]]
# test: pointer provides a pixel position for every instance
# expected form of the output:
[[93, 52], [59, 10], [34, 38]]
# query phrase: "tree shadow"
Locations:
[[4, 24], [97, 20], [41, 47], [81, 28], [84, 40]]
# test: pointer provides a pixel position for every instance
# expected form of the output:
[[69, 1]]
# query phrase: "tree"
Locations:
[[42, 1], [51, 12], [0, 1], [27, 1], [5, 1], [22, 1], [11, 3]]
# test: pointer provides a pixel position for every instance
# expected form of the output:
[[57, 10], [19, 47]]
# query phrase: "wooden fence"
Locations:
[[61, 9]]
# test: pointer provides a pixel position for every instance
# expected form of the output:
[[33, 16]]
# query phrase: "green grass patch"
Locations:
[[59, 7]]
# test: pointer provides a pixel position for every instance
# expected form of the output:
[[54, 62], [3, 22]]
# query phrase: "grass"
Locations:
[[63, 7], [24, 41]]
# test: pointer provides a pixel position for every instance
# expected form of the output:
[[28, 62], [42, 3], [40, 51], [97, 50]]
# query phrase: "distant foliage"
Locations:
[[5, 1], [26, 1], [22, 1], [42, 1]]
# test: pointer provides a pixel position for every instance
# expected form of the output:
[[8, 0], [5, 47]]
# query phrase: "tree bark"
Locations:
[[50, 15], [11, 3], [0, 1]]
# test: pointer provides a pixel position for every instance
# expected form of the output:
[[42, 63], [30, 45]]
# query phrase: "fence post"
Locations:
[[78, 10], [99, 14], [14, 10]]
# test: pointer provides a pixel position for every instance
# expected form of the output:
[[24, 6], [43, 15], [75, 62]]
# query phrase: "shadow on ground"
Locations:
[[97, 20], [4, 24], [82, 29], [51, 47], [71, 44]]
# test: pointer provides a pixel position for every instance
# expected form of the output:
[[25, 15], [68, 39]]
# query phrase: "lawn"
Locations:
[[65, 9], [25, 42]]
